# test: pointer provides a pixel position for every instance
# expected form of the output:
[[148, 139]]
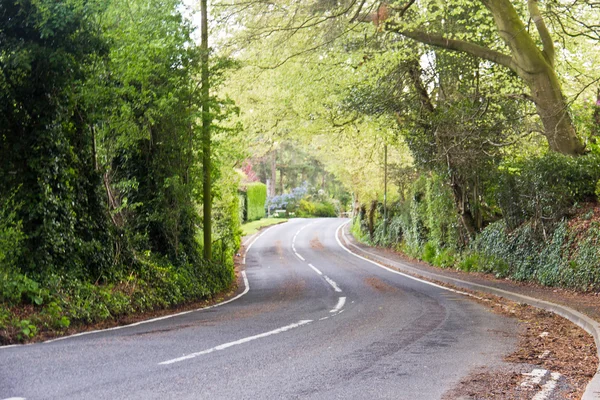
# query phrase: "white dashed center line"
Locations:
[[339, 305], [315, 269], [237, 342]]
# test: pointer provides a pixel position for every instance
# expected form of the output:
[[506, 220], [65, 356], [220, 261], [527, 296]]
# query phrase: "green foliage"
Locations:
[[308, 209], [11, 233], [429, 252], [251, 228], [424, 227], [543, 189], [99, 170], [257, 198], [569, 258], [45, 143], [446, 258], [16, 288], [26, 329]]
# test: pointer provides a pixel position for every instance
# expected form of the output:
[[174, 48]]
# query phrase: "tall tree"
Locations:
[[45, 147], [534, 64], [206, 139]]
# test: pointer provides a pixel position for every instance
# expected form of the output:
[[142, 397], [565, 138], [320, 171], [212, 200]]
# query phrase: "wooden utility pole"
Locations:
[[206, 140]]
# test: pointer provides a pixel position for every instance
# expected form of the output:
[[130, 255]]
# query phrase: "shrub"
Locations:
[[257, 197], [308, 209], [446, 258], [543, 189], [429, 252], [11, 234], [288, 201], [325, 209]]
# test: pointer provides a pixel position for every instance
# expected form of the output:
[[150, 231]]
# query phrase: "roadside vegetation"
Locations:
[[435, 96], [253, 227], [100, 183], [110, 166]]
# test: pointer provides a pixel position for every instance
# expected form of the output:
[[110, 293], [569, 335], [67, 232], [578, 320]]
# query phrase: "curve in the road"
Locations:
[[291, 336]]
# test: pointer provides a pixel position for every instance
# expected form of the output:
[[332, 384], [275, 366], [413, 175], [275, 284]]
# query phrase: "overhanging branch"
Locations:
[[547, 42], [459, 45]]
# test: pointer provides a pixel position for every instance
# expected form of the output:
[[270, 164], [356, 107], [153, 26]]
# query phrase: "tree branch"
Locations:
[[357, 13], [547, 42], [414, 72], [459, 45], [406, 7]]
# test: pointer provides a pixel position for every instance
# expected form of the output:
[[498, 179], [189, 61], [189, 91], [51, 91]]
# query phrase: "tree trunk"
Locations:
[[466, 218], [273, 174], [206, 139], [532, 64], [553, 111], [596, 126], [536, 67], [371, 218]]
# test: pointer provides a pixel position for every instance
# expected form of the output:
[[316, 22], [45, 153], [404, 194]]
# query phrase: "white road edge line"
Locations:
[[393, 271], [14, 398], [339, 305], [299, 256], [246, 290], [332, 283], [548, 387], [237, 342], [315, 269]]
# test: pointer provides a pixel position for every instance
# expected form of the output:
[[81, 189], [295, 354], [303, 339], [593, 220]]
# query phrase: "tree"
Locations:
[[206, 140], [494, 31], [534, 65], [46, 150]]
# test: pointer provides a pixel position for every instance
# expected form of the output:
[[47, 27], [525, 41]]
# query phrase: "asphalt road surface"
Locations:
[[316, 323]]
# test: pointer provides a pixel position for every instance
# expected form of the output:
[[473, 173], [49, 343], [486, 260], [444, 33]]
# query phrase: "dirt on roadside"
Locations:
[[562, 355]]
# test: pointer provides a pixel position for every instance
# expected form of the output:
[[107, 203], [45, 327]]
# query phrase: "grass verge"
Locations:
[[252, 227]]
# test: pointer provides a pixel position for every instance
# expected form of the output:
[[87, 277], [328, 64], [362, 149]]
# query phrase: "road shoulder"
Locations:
[[574, 307]]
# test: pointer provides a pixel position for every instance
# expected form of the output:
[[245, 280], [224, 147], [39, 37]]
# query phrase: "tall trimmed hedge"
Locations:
[[257, 197]]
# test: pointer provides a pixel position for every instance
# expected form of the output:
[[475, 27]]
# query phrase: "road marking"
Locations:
[[339, 305], [15, 398], [237, 342], [393, 271], [13, 345], [548, 387], [332, 283], [534, 377], [315, 269], [299, 256]]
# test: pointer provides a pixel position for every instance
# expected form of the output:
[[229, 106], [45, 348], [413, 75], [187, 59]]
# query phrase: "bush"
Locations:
[[11, 234], [288, 201], [429, 252], [307, 209], [257, 197], [446, 258], [543, 189]]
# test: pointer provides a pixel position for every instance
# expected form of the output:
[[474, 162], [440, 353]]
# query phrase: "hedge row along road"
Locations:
[[316, 322]]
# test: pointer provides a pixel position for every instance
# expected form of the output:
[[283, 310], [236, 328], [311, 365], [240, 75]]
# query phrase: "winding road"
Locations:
[[316, 322]]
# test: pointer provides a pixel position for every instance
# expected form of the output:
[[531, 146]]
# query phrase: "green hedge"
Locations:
[[308, 209], [257, 197]]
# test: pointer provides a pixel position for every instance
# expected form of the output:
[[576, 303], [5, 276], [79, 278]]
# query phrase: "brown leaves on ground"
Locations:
[[546, 341]]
